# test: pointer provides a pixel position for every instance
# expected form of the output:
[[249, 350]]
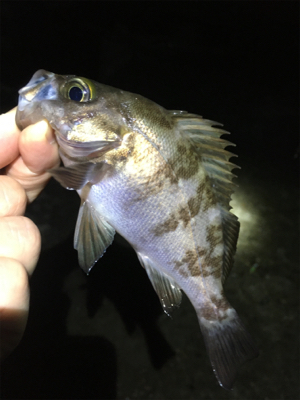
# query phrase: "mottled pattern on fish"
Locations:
[[163, 180]]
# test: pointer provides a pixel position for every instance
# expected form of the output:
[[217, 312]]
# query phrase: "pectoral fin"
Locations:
[[76, 176], [92, 236], [167, 290]]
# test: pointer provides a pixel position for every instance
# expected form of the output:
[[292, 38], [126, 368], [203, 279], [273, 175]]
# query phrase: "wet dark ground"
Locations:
[[105, 336]]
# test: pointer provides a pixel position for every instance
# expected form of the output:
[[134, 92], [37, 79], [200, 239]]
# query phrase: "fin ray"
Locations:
[[73, 177], [92, 236], [76, 176], [211, 148], [167, 290], [231, 227], [229, 345]]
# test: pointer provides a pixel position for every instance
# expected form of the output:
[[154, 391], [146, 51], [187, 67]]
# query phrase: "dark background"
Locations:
[[104, 336]]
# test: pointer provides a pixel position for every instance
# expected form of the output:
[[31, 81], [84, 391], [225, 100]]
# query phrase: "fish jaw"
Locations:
[[43, 86]]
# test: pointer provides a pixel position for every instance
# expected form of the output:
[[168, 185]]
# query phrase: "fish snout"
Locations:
[[42, 86], [39, 85], [39, 76]]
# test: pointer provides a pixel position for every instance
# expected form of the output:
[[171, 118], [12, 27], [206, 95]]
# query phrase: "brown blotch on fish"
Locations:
[[216, 308], [194, 203], [155, 182], [201, 262], [150, 187], [214, 235], [202, 200], [190, 259], [208, 195], [147, 115], [186, 163], [183, 270], [220, 302], [184, 216], [168, 226], [212, 265], [119, 156]]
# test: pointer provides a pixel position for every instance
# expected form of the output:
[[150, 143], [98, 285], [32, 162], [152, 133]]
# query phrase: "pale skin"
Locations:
[[25, 156]]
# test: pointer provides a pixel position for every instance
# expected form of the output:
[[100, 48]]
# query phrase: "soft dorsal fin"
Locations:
[[231, 227], [167, 290], [92, 236], [215, 160]]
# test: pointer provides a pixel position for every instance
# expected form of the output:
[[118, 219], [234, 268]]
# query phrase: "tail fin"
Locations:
[[229, 345]]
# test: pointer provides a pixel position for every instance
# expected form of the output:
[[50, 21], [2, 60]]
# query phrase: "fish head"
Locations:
[[84, 114]]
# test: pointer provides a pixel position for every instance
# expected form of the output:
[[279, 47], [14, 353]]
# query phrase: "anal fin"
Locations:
[[167, 290], [92, 236]]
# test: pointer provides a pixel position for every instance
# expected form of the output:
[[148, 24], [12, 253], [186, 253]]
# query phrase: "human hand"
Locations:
[[24, 158]]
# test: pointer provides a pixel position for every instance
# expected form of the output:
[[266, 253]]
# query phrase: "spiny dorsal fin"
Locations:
[[167, 290], [215, 160]]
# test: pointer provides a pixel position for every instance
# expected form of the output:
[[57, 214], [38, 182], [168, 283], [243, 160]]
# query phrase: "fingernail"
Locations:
[[50, 136]]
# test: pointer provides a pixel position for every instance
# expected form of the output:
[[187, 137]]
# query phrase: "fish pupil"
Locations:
[[75, 93]]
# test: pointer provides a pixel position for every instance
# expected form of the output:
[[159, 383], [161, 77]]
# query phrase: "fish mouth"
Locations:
[[37, 83], [40, 87]]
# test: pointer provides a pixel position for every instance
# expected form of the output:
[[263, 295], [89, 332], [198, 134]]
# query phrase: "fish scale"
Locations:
[[163, 180]]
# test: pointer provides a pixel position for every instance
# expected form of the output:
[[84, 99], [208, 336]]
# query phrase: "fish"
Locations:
[[160, 178]]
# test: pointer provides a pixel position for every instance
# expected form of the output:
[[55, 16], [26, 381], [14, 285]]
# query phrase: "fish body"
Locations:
[[160, 178]]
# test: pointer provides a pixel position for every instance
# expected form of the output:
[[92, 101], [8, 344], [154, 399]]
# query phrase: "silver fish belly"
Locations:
[[160, 178]]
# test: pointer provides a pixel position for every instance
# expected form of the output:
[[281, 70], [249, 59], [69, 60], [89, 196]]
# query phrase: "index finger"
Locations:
[[38, 147], [9, 136], [39, 152]]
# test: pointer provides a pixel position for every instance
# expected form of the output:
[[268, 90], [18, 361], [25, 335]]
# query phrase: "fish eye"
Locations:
[[78, 89], [76, 93]]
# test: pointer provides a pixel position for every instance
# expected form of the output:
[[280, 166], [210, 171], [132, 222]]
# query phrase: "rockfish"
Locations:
[[160, 178]]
